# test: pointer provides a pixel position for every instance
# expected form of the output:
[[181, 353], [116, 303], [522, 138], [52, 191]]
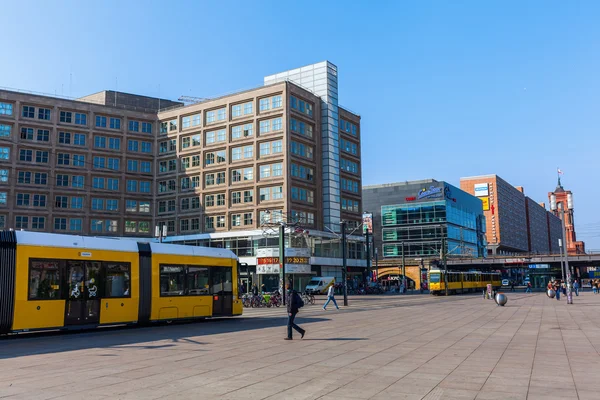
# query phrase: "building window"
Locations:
[[133, 145], [23, 199], [146, 127], [220, 200], [41, 157], [301, 106], [27, 133], [248, 108], [265, 104], [236, 110], [79, 139], [145, 187], [236, 198], [248, 219], [60, 224], [132, 165], [146, 147], [38, 223], [209, 222], [134, 126], [97, 204], [301, 150], [63, 137], [209, 200], [3, 199], [236, 220], [6, 109], [4, 153], [80, 119], [75, 224], [98, 183], [43, 135], [66, 117], [25, 155], [349, 166], [132, 185], [114, 143], [172, 125], [21, 222], [63, 159], [100, 121], [221, 114], [112, 184], [28, 112], [77, 203], [5, 130], [3, 175], [44, 114], [216, 136], [77, 181], [39, 200]]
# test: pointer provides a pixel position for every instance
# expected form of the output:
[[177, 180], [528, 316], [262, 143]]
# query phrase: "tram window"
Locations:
[[117, 280], [218, 277], [197, 281], [227, 283], [434, 278], [44, 280], [172, 280]]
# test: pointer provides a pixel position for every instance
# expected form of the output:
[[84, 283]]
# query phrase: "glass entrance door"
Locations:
[[83, 301]]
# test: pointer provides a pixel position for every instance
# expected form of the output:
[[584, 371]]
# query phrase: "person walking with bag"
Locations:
[[294, 304], [330, 297]]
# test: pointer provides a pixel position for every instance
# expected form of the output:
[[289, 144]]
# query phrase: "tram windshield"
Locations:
[[434, 278]]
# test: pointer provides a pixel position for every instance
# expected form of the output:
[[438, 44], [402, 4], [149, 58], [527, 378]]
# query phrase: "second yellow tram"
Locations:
[[462, 282]]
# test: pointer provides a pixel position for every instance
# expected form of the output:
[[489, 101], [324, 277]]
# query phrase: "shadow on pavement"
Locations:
[[336, 339], [137, 337]]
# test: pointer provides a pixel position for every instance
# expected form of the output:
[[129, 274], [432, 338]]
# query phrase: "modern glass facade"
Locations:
[[322, 80], [416, 229]]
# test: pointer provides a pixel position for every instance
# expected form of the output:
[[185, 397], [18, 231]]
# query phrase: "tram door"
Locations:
[[83, 300], [222, 291]]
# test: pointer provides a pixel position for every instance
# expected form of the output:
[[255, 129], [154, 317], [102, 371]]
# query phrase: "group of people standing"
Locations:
[[559, 288]]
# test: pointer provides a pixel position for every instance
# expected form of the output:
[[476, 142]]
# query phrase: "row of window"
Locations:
[[302, 194], [349, 147], [78, 181], [301, 106], [194, 280], [349, 185], [60, 279], [301, 128], [348, 127], [302, 172], [350, 205], [76, 224], [301, 149], [77, 118], [75, 202], [349, 166], [218, 178]]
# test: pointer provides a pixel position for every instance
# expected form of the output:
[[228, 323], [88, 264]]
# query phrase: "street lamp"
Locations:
[[561, 209]]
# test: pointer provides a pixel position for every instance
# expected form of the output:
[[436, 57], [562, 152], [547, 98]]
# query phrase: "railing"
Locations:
[[80, 100]]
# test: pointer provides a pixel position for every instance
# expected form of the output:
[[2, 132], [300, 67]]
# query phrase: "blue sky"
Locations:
[[445, 89]]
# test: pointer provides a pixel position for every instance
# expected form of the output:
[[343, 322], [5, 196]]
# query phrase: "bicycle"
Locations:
[[308, 298]]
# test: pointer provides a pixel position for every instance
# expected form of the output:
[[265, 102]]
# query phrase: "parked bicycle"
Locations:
[[308, 298]]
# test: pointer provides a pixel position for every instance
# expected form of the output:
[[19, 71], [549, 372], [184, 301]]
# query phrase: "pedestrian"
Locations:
[[255, 290], [294, 304], [557, 291], [576, 287], [512, 286], [330, 297], [564, 288], [528, 290]]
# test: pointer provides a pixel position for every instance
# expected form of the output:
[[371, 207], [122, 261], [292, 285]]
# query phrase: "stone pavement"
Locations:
[[381, 347]]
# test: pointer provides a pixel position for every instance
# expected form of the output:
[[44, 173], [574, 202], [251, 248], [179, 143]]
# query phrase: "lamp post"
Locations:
[[344, 266]]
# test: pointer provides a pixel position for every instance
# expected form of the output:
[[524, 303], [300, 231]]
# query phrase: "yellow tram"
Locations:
[[462, 282], [51, 281]]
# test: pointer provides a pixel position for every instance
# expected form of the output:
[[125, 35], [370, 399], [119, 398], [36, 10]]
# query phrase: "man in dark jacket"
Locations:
[[292, 309]]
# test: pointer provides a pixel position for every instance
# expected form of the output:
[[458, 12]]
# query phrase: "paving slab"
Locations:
[[380, 347]]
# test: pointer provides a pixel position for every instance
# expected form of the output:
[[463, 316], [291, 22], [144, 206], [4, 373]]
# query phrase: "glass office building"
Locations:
[[425, 213]]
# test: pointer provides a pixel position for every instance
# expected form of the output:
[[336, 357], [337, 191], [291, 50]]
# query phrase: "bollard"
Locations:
[[551, 293], [501, 299]]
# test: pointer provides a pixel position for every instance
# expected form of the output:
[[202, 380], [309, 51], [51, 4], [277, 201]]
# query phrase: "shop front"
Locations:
[[297, 268]]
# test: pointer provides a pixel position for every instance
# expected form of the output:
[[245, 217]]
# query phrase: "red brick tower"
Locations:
[[564, 201]]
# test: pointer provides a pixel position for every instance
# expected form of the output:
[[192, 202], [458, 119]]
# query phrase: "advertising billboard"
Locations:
[[486, 203], [481, 189], [367, 223]]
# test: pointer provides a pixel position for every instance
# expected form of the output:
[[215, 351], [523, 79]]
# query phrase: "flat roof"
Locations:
[[406, 183]]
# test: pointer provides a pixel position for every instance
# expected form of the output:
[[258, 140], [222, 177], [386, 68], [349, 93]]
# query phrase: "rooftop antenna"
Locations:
[[71, 84], [116, 90], [159, 97]]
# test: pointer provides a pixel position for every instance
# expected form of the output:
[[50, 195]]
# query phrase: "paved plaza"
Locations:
[[381, 347]]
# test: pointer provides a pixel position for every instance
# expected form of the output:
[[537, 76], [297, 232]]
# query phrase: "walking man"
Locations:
[[576, 287], [293, 305], [528, 290], [330, 297]]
